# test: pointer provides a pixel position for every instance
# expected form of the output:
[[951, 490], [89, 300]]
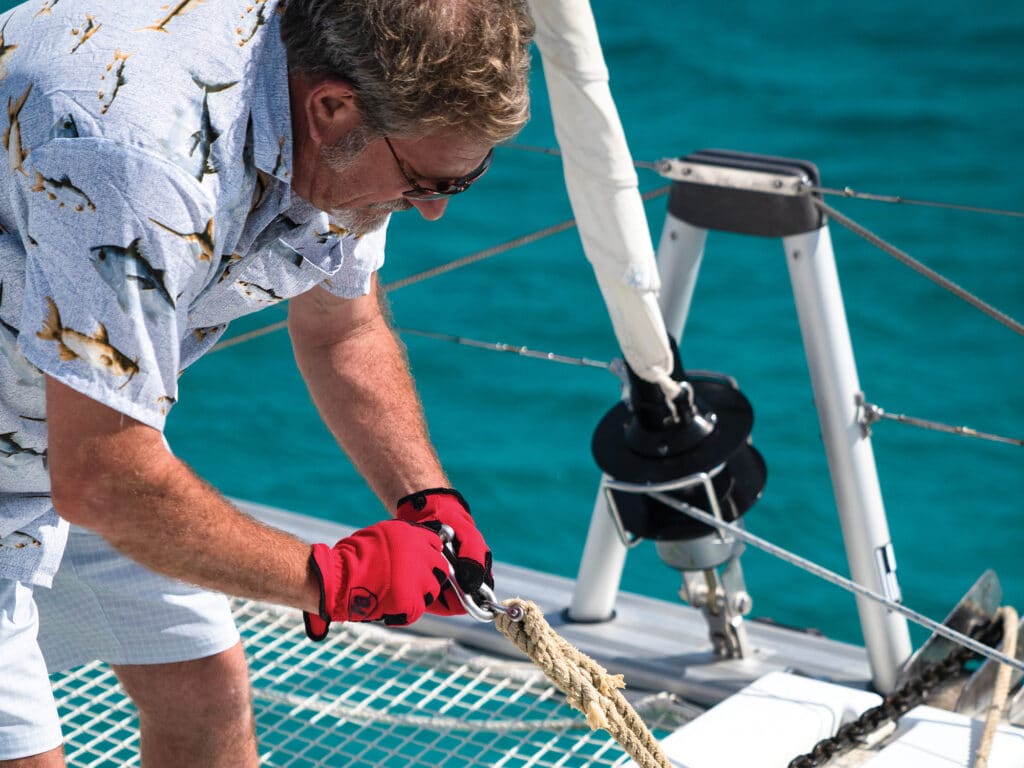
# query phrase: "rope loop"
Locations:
[[587, 685]]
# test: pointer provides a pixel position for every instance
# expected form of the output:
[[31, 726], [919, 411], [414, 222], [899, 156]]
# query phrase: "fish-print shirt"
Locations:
[[144, 203]]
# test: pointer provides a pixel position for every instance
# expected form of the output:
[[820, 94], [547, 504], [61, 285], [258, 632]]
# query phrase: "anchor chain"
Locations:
[[896, 704]]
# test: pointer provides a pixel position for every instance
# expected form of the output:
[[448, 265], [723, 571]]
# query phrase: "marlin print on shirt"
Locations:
[[257, 293], [203, 138], [227, 261], [47, 7], [63, 192], [14, 455], [260, 9], [133, 279], [115, 68], [334, 232], [179, 9], [28, 375], [84, 31], [16, 153], [5, 49], [95, 350], [202, 239], [260, 189], [200, 334]]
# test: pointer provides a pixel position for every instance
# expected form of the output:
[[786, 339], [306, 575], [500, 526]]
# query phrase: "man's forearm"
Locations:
[[115, 476], [178, 525], [361, 385]]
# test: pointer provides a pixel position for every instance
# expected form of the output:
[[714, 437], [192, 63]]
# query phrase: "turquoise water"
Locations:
[[920, 99]]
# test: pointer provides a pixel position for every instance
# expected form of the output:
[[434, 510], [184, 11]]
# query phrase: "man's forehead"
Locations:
[[442, 155]]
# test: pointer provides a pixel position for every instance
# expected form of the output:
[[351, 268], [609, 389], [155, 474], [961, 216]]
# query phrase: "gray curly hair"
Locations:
[[420, 66]]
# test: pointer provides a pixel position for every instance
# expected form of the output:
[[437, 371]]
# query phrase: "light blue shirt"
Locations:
[[145, 203]]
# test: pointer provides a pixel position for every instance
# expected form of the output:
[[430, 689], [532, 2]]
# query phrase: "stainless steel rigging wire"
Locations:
[[540, 234], [515, 349], [472, 258], [908, 260], [852, 193], [872, 413], [844, 192], [840, 581]]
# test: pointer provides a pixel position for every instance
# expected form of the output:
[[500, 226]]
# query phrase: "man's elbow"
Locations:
[[77, 495], [98, 458]]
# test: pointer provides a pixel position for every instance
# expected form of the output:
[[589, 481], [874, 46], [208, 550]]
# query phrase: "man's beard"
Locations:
[[342, 156], [367, 218]]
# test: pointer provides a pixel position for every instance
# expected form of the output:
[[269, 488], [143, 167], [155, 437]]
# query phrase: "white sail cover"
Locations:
[[602, 184]]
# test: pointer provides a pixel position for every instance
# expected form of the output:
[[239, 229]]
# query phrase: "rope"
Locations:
[[1001, 689], [908, 260], [587, 685], [369, 715]]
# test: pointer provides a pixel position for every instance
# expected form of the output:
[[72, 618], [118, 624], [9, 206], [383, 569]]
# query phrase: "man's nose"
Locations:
[[431, 210]]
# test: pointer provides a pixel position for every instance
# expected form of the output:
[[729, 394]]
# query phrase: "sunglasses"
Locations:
[[443, 188]]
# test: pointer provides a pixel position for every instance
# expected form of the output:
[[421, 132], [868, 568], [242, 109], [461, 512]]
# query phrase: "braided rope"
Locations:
[[1001, 689], [587, 685]]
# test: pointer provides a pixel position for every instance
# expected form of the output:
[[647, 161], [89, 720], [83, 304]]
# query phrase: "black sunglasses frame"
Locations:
[[445, 188]]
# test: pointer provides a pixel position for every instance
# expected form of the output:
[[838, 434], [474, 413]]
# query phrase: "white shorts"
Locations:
[[102, 606]]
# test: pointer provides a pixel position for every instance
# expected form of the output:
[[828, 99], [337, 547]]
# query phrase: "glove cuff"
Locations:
[[424, 504], [317, 625]]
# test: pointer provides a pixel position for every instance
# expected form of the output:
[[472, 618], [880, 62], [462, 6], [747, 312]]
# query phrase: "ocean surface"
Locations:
[[903, 97]]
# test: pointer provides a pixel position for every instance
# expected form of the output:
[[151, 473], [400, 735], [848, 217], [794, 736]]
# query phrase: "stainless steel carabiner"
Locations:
[[489, 607]]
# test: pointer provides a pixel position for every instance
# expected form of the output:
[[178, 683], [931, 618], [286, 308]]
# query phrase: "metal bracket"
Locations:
[[868, 414], [734, 178], [723, 598], [725, 601]]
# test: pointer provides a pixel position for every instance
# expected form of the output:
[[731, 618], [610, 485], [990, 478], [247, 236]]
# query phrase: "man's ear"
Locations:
[[331, 111]]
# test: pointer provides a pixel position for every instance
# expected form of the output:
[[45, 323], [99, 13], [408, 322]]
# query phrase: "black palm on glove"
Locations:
[[445, 506]]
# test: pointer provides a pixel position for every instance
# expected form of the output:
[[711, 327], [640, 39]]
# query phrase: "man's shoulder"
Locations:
[[170, 78], [130, 65]]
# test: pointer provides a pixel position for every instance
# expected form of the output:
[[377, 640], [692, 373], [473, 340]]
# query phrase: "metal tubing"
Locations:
[[604, 557], [680, 252], [851, 460]]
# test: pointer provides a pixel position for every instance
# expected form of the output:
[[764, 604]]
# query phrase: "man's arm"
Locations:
[[358, 376], [115, 476]]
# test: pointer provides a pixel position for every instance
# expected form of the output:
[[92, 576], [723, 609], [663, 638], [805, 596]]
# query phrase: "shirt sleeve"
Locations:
[[110, 270], [363, 256]]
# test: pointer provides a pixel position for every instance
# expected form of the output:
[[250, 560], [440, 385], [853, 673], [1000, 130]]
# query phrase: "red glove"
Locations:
[[392, 570], [473, 558]]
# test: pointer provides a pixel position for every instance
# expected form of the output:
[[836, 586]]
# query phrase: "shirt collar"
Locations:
[[271, 113]]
